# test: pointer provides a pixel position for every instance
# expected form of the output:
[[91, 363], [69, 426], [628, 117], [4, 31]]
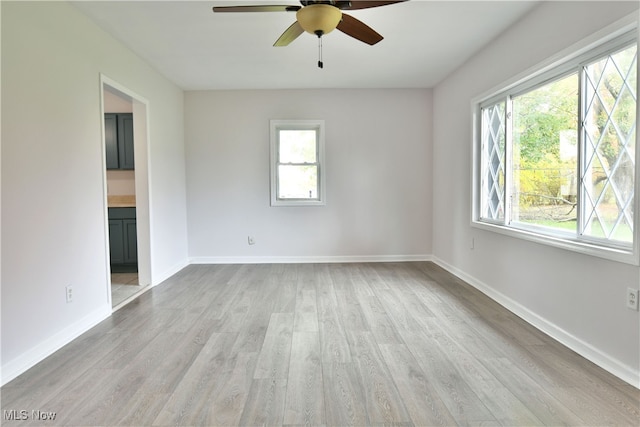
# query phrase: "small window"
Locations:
[[297, 160]]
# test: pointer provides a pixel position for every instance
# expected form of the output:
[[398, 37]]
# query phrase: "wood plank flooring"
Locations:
[[317, 344]]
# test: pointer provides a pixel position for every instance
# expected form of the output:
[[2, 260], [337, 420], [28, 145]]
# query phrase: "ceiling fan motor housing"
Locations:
[[340, 4], [319, 19]]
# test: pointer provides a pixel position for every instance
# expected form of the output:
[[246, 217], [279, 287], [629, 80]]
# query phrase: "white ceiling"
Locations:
[[197, 49]]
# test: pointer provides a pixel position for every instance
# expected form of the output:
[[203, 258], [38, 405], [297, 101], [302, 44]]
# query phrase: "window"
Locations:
[[297, 160], [556, 155]]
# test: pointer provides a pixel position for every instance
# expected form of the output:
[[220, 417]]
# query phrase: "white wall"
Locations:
[[53, 201], [378, 163], [577, 298]]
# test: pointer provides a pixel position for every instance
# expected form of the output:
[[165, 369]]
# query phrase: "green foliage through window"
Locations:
[[545, 155]]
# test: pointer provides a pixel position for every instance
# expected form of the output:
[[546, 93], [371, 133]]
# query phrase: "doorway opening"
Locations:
[[126, 193]]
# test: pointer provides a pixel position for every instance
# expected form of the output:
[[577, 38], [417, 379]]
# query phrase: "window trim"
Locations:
[[275, 127], [602, 42]]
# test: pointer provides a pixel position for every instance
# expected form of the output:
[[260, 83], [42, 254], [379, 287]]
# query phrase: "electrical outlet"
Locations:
[[251, 240], [632, 299], [69, 291]]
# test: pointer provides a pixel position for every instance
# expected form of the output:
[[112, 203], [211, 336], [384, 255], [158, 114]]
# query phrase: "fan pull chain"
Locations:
[[320, 63]]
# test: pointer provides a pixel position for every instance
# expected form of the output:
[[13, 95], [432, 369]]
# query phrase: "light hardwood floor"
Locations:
[[318, 344]]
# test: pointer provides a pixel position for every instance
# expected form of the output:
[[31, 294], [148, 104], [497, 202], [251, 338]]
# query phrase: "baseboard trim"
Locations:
[[586, 350], [156, 280], [308, 259], [30, 358]]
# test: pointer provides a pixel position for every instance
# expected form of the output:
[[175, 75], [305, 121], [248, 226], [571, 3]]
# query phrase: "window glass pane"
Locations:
[[493, 141], [545, 155], [297, 146], [610, 144], [298, 182]]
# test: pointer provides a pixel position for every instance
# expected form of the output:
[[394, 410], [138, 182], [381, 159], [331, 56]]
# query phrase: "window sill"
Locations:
[[297, 202], [626, 256]]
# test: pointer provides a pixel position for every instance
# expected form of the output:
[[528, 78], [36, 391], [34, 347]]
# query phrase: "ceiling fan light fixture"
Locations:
[[319, 19]]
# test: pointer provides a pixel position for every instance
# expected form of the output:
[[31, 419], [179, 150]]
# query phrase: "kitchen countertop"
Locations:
[[121, 201]]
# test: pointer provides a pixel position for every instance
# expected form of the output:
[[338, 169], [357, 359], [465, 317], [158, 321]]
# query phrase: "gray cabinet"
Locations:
[[123, 245], [118, 133]]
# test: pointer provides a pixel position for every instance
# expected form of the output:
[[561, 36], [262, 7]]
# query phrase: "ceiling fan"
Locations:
[[320, 17]]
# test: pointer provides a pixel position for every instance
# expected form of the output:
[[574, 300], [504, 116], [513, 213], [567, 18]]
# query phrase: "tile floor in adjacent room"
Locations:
[[123, 286]]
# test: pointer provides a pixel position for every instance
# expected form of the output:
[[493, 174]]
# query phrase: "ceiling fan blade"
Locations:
[[358, 30], [289, 35], [257, 8], [363, 4]]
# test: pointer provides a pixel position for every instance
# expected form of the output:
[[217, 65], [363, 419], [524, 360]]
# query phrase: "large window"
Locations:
[[556, 153], [297, 157]]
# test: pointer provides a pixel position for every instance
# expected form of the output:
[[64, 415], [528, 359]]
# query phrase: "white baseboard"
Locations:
[[30, 358], [156, 280], [308, 259], [586, 350]]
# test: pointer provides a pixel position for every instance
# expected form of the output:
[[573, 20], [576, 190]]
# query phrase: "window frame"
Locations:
[[275, 127], [607, 41]]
